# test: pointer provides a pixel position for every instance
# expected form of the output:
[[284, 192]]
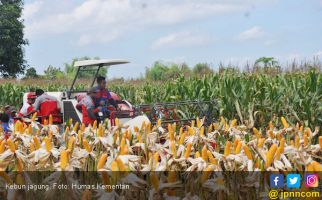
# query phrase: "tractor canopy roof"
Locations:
[[93, 66], [101, 63]]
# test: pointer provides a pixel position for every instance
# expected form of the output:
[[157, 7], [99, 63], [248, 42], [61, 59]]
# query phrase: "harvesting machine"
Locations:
[[127, 113]]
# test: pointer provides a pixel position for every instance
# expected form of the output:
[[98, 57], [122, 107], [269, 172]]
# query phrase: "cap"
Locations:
[[31, 95]]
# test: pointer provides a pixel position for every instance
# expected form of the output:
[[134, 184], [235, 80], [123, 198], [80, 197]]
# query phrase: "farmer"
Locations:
[[4, 117], [27, 108], [47, 105], [88, 107], [104, 97]]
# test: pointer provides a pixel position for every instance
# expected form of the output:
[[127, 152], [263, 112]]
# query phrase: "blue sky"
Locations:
[[191, 31]]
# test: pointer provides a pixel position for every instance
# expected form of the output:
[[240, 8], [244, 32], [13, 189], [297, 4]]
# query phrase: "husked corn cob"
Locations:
[[227, 149], [284, 122], [11, 145], [86, 146], [188, 151], [48, 144], [102, 161], [247, 152], [63, 159], [204, 153], [270, 155]]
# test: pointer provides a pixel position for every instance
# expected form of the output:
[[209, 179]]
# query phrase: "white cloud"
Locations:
[[106, 20], [253, 33], [181, 39], [31, 9]]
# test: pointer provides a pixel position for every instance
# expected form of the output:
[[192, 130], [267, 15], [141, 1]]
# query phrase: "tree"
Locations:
[[52, 72], [269, 64], [267, 61], [31, 73], [71, 70], [12, 40], [202, 68]]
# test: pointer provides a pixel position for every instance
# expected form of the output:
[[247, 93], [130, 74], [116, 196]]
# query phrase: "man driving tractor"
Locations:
[[104, 97]]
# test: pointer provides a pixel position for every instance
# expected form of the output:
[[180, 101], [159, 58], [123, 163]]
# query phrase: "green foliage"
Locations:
[[31, 73], [52, 72], [202, 68], [11, 38]]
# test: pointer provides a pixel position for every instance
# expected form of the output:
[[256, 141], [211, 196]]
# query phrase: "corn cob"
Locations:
[[82, 129], [317, 167], [121, 165], [202, 131], [320, 142], [270, 155], [197, 154], [297, 142], [182, 137], [48, 144], [211, 158], [75, 128], [306, 140], [247, 152], [117, 122], [284, 122], [204, 153], [86, 146], [114, 166], [261, 142], [71, 143], [279, 151], [271, 125], [50, 120], [227, 149], [2, 146], [11, 145], [100, 131], [19, 165], [309, 168], [63, 159], [188, 151], [102, 161], [257, 133], [238, 148], [95, 125], [34, 116], [210, 128], [234, 123]]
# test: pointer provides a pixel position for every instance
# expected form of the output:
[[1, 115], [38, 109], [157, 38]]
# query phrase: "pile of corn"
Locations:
[[222, 146]]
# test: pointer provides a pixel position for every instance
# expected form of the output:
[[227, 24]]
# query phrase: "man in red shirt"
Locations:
[[47, 105], [27, 108]]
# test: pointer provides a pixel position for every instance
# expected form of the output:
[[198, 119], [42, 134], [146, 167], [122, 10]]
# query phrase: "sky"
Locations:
[[190, 31]]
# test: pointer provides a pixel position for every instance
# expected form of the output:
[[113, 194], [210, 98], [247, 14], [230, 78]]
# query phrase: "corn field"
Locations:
[[116, 151], [253, 99]]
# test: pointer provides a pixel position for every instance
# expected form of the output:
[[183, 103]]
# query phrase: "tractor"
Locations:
[[128, 114]]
